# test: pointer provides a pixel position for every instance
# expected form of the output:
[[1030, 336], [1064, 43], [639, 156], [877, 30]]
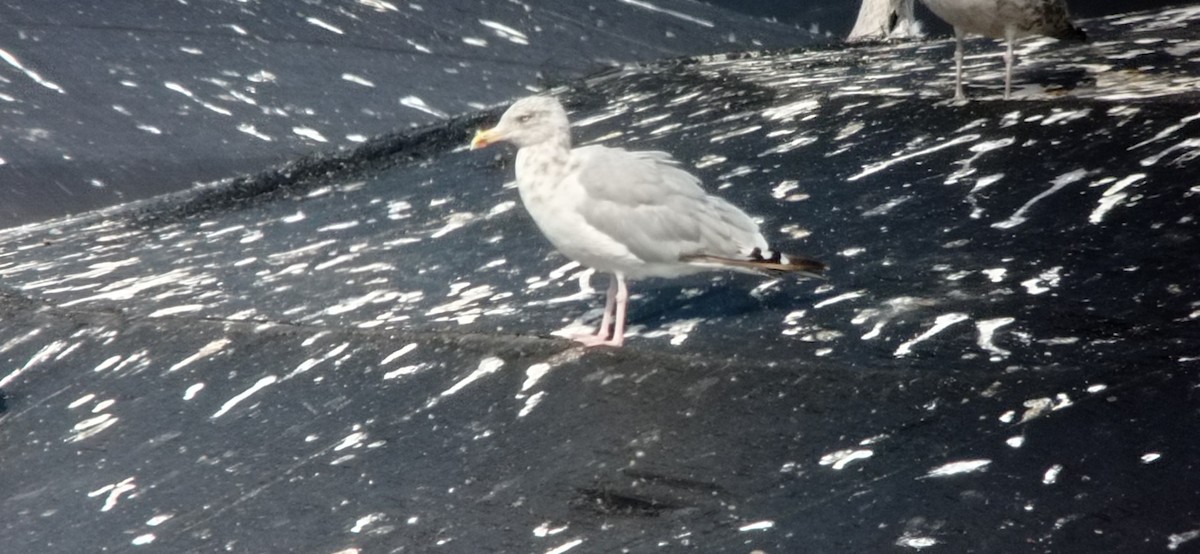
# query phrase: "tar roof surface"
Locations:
[[355, 357]]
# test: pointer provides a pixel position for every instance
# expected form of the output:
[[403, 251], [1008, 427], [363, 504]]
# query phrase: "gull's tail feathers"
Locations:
[[774, 263]]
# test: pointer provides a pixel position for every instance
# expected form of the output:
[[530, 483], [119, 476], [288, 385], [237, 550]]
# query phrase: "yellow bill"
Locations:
[[483, 138]]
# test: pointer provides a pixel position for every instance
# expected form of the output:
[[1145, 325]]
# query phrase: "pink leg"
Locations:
[[601, 335], [958, 63], [1008, 61], [614, 315], [609, 303], [618, 337]]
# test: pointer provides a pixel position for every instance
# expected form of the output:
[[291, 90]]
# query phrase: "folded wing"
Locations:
[[658, 211]]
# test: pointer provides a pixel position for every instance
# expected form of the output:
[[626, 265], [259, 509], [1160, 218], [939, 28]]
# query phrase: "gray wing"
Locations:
[[657, 210]]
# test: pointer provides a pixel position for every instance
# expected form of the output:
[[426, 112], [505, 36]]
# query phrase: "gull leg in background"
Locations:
[[618, 336], [958, 63], [1009, 37], [601, 335]]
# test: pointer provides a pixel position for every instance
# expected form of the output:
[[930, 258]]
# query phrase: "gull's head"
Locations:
[[530, 121]]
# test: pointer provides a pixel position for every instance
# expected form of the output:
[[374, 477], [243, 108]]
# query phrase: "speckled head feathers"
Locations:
[[530, 121]]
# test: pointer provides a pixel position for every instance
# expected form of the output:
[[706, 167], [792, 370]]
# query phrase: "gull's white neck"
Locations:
[[542, 170], [543, 164]]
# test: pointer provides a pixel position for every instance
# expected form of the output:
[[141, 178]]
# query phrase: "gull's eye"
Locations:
[[524, 118]]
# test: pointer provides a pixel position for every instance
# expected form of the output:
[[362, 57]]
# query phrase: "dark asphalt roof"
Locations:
[[118, 102], [353, 353]]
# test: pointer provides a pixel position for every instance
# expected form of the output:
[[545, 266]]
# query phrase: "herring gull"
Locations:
[[630, 214], [1006, 19]]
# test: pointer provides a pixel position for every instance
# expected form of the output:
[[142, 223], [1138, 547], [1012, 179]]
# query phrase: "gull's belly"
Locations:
[[559, 221], [985, 17]]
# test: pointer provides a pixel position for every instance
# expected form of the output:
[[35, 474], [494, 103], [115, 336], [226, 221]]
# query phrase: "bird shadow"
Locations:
[[707, 299]]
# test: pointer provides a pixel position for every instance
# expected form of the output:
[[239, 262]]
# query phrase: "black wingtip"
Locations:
[[807, 266], [774, 264], [785, 263]]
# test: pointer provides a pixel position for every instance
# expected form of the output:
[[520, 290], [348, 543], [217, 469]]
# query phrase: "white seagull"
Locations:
[[631, 214], [1006, 19]]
